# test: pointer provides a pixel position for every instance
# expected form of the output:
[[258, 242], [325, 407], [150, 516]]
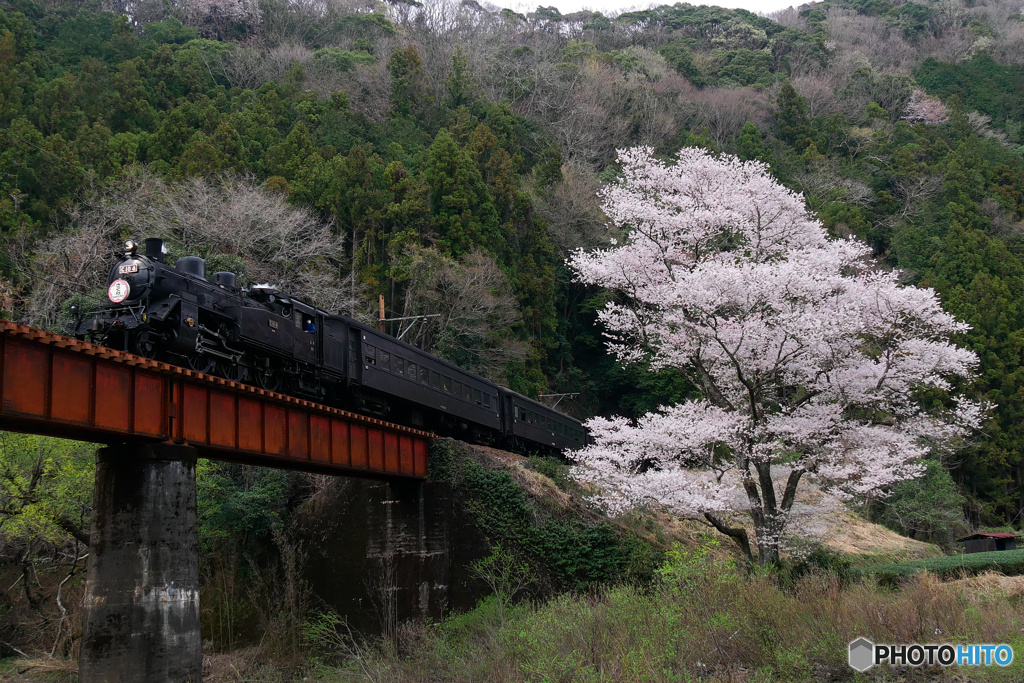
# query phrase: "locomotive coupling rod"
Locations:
[[203, 348], [218, 335]]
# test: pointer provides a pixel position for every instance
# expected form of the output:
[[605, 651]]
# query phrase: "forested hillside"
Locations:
[[448, 156]]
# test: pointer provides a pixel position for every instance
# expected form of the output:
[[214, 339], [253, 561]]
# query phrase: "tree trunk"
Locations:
[[767, 549], [736, 534]]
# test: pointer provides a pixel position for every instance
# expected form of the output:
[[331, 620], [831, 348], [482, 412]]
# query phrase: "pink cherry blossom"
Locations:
[[808, 357], [925, 109]]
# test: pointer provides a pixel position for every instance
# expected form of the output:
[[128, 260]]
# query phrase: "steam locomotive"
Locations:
[[264, 337]]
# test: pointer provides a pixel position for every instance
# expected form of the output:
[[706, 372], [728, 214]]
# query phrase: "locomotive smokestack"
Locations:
[[155, 249]]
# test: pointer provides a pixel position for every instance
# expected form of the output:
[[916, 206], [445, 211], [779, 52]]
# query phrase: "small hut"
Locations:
[[989, 542]]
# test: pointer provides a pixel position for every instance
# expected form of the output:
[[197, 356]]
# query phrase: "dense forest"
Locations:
[[448, 155]]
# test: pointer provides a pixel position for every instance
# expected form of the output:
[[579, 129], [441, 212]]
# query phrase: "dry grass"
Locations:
[[850, 534], [247, 664], [992, 585], [27, 670]]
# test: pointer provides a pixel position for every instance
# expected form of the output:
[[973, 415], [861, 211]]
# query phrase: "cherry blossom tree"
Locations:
[[810, 361], [925, 109]]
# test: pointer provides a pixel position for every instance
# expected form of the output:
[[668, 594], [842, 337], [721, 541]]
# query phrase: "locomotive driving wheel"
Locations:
[[144, 345], [200, 362], [236, 372], [266, 376]]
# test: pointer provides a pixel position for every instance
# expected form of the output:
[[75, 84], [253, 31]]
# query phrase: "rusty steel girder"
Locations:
[[58, 386]]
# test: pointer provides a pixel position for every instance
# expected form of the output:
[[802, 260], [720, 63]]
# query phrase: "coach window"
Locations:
[[476, 396], [385, 360], [424, 375], [457, 389], [487, 400], [399, 365], [446, 383], [370, 352], [435, 379], [469, 393], [515, 411], [412, 371]]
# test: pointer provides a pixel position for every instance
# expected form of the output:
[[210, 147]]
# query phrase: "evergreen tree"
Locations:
[[791, 122], [461, 208], [750, 145]]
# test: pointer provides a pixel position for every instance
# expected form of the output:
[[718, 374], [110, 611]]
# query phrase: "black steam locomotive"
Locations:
[[264, 337]]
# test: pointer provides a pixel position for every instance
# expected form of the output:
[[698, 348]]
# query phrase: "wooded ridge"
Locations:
[[448, 155]]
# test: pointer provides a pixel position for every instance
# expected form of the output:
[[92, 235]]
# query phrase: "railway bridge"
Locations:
[[141, 611]]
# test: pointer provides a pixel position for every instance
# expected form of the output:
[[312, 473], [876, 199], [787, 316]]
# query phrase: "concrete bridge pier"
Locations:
[[141, 611]]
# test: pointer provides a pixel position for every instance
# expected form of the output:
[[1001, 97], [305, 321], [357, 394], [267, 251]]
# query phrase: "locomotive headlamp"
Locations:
[[130, 247]]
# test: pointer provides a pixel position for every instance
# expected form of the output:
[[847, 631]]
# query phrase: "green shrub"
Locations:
[[554, 469], [821, 559]]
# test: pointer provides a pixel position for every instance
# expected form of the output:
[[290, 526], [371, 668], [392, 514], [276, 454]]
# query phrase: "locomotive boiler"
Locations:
[[262, 336]]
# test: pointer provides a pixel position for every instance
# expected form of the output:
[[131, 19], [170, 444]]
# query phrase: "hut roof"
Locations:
[[987, 535]]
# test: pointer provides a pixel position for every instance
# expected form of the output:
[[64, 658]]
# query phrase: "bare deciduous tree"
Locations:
[[725, 110], [573, 210], [819, 92], [272, 241], [478, 311]]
